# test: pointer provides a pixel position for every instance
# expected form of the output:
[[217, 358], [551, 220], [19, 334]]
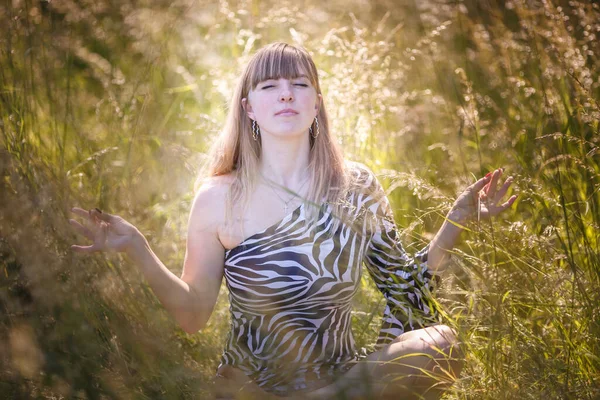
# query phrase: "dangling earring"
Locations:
[[255, 130], [314, 133]]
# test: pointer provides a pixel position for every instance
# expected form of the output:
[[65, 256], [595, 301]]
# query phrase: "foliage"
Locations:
[[114, 104]]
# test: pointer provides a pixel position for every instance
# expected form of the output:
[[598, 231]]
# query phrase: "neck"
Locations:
[[285, 161]]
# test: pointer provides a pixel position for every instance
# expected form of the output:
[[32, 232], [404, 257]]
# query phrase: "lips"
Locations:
[[287, 112]]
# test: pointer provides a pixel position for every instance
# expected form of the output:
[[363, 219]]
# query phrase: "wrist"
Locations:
[[457, 216], [137, 246]]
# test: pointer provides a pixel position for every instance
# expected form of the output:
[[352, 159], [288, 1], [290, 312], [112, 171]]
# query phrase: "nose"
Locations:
[[286, 94]]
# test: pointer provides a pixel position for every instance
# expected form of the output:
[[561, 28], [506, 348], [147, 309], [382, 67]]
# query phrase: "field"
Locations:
[[114, 104]]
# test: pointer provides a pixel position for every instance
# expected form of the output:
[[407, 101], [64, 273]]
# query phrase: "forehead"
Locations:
[[288, 64]]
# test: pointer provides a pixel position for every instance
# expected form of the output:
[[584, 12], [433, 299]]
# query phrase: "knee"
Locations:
[[445, 358], [438, 336], [443, 336], [445, 342], [441, 342]]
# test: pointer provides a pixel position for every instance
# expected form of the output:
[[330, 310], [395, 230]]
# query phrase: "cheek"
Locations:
[[257, 105], [311, 101], [260, 110]]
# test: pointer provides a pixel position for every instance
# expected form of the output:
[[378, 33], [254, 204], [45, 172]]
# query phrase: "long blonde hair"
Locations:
[[235, 151]]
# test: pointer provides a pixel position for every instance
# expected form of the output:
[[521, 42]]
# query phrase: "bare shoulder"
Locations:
[[208, 207], [215, 185]]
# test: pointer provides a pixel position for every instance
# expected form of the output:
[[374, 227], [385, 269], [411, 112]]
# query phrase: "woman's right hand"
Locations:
[[107, 232]]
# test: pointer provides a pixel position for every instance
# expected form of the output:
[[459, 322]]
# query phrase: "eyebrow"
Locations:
[[296, 77]]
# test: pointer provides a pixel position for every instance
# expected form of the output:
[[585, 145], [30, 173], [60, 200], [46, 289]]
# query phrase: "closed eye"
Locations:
[[295, 84]]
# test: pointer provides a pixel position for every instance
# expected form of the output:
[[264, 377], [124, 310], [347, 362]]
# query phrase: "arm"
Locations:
[[481, 199], [405, 281], [205, 256], [443, 242], [191, 298], [178, 297]]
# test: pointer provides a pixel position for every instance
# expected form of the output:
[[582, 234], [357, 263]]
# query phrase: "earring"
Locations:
[[255, 130], [314, 133]]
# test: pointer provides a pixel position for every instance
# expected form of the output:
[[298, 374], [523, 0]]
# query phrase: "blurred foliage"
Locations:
[[114, 104]]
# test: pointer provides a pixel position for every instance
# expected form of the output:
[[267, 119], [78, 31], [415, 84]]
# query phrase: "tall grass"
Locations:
[[114, 105]]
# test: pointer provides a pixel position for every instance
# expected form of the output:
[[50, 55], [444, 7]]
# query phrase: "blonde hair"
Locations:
[[235, 151]]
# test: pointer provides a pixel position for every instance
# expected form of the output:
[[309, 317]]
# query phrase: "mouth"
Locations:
[[287, 112]]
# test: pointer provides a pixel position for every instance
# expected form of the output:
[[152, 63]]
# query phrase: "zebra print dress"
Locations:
[[291, 288]]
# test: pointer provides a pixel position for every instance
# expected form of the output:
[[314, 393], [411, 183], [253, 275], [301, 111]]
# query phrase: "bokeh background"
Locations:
[[113, 104]]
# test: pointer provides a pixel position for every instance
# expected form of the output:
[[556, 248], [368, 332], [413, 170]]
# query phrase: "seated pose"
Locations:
[[290, 225]]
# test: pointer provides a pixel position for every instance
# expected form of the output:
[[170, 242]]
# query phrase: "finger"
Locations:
[[494, 182], [487, 185], [82, 229], [97, 213], [81, 212], [480, 184], [497, 210], [85, 249], [502, 192], [509, 203]]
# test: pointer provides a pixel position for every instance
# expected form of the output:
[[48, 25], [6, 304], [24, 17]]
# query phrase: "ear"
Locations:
[[248, 108], [318, 103]]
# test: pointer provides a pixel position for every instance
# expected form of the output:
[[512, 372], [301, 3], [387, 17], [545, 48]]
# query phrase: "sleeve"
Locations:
[[404, 281]]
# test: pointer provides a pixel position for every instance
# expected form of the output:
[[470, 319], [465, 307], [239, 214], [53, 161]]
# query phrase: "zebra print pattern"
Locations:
[[291, 287]]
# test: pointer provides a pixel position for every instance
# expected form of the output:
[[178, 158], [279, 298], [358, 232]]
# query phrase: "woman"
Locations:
[[289, 224]]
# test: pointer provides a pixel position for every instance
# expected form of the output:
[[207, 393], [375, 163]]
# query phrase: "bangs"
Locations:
[[281, 61]]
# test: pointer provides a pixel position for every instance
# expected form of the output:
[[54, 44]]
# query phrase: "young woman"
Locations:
[[290, 224]]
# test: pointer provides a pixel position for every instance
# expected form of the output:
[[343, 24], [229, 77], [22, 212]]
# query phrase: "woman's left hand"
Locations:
[[482, 199]]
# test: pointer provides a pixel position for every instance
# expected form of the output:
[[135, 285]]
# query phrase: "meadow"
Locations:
[[114, 104]]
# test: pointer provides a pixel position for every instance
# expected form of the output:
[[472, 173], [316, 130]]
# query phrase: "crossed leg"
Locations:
[[420, 364]]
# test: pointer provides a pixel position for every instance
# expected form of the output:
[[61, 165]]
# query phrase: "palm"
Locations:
[[107, 232], [482, 199]]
